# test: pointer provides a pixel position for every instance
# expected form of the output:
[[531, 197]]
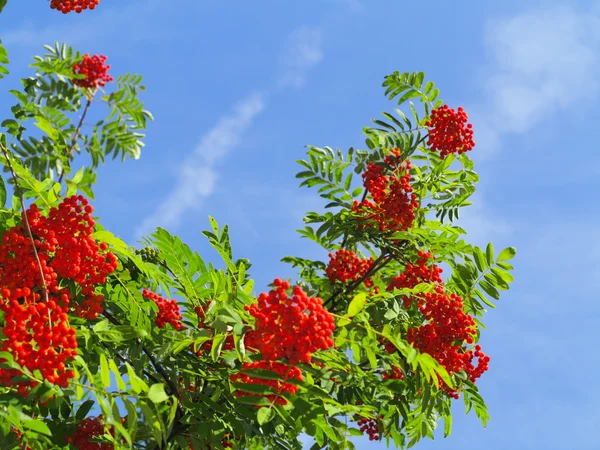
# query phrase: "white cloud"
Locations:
[[303, 52], [544, 61], [198, 174]]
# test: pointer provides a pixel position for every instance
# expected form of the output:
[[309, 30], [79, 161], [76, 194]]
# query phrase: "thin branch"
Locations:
[[377, 265], [155, 364], [76, 135], [26, 221]]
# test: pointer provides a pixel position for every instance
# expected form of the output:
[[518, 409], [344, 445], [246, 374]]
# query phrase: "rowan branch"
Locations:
[[76, 135], [26, 221]]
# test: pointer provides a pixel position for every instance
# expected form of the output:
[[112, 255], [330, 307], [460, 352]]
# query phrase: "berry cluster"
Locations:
[[370, 427], [149, 255], [35, 320], [285, 371], [67, 6], [393, 202], [90, 428], [449, 131], [168, 310], [291, 328], [96, 73], [395, 374], [415, 274], [448, 327], [67, 236], [288, 329], [206, 346], [443, 336], [345, 266]]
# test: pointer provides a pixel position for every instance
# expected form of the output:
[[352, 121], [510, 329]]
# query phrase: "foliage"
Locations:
[[162, 388]]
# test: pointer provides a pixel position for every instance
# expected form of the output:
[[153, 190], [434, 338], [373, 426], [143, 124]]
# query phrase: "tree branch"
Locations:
[[26, 222], [76, 135]]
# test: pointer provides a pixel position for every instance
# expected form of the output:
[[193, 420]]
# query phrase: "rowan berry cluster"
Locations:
[[370, 427], [448, 327], [36, 321], [394, 203], [168, 310], [423, 271], [395, 374], [345, 266], [89, 429], [67, 6], [95, 71], [443, 336], [228, 344], [449, 131], [285, 371], [290, 328]]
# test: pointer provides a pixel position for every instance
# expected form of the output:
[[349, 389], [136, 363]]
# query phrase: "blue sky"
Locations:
[[238, 88]]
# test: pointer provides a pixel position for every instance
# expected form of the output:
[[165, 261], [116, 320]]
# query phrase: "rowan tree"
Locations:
[[104, 345]]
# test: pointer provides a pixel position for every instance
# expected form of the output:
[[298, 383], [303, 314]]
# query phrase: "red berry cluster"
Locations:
[[288, 329], [448, 327], [67, 236], [96, 73], [291, 328], [168, 310], [443, 336], [345, 266], [89, 429], [395, 374], [67, 6], [36, 327], [206, 346], [415, 274], [370, 427], [393, 202], [285, 371], [449, 131]]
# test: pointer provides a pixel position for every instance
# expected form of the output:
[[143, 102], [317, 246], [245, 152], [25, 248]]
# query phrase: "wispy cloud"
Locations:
[[198, 175], [199, 172], [304, 51], [544, 61]]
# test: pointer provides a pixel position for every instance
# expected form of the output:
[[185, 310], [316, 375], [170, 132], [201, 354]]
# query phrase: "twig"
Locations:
[[76, 135], [26, 221], [374, 268], [159, 369]]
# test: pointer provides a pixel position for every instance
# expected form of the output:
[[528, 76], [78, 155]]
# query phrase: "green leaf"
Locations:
[[507, 253], [38, 426], [47, 127], [2, 4], [357, 304], [265, 415], [503, 275], [489, 253], [104, 371], [489, 289], [84, 409], [447, 425], [157, 393], [480, 259]]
